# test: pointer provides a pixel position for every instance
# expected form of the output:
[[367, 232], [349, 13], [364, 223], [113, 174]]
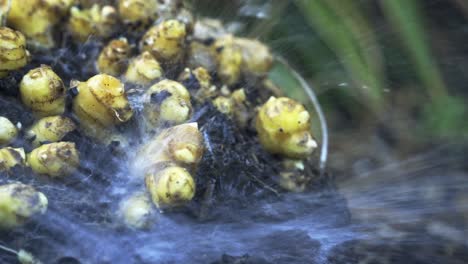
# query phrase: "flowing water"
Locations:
[[372, 208]]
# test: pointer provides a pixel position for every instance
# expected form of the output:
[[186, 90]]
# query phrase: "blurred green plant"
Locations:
[[444, 113], [345, 28], [445, 117], [408, 22]]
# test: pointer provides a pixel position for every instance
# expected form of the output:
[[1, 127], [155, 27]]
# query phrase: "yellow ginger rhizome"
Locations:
[[150, 87]]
